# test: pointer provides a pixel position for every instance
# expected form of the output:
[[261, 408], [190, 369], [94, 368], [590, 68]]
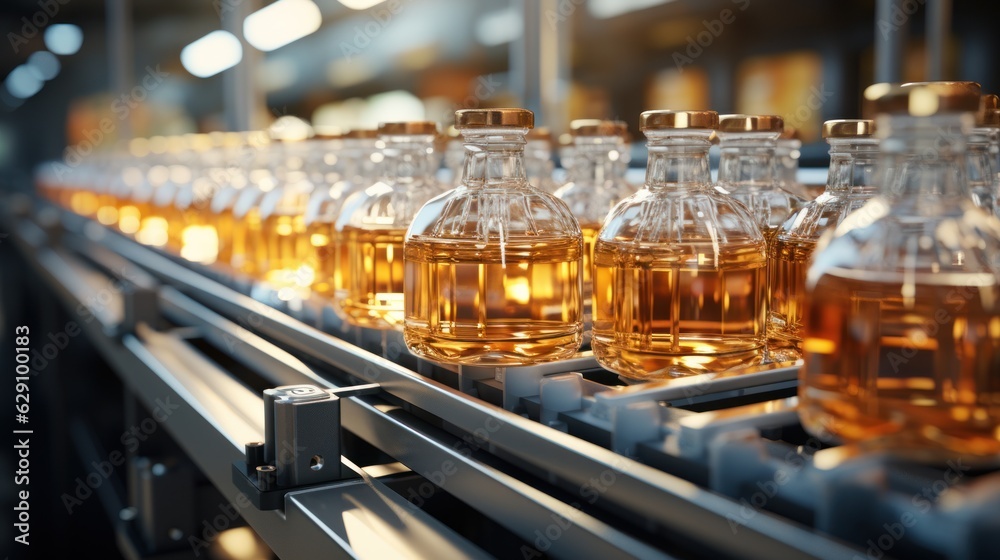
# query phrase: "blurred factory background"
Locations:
[[87, 73]]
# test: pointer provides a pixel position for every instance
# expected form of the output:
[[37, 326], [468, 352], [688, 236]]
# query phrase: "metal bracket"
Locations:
[[302, 446]]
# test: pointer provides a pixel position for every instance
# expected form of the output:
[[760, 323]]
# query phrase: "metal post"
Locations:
[[539, 62], [890, 36], [120, 62], [938, 24], [242, 100]]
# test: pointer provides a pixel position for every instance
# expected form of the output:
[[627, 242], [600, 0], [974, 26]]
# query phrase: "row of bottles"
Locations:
[[888, 285], [901, 336]]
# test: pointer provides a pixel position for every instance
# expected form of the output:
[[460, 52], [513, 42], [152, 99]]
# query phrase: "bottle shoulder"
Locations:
[[495, 212], [697, 215], [386, 204], [877, 238]]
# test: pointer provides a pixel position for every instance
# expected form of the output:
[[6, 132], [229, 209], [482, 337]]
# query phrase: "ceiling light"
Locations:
[[281, 23], [63, 38], [213, 53]]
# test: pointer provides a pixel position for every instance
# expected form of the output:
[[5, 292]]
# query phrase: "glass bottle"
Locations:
[[902, 333], [850, 183], [982, 175], [372, 225], [746, 168], [596, 184], [538, 162], [199, 241], [787, 150], [362, 157], [245, 175], [679, 277], [454, 155], [152, 221], [493, 272]]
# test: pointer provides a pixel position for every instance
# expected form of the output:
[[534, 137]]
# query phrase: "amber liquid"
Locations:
[[84, 203], [246, 252], [590, 232], [373, 294], [285, 254], [130, 216], [199, 239], [322, 250], [224, 224], [923, 369], [152, 225], [659, 315], [787, 268], [472, 304]]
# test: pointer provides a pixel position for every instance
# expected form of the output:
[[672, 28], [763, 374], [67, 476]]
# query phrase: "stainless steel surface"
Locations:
[[620, 469]]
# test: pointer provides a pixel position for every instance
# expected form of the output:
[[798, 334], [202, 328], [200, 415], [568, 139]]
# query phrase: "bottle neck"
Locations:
[[981, 160], [853, 162], [677, 159], [494, 157], [407, 158], [597, 160], [786, 161], [746, 159], [924, 157]]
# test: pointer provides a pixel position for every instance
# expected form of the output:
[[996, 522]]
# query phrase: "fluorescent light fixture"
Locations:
[[281, 23], [602, 9], [499, 27], [23, 82], [63, 38], [360, 4], [45, 64], [213, 53]]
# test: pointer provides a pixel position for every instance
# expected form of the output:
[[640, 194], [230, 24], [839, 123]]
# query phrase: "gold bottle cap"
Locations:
[[659, 120], [849, 128], [598, 127], [790, 133], [989, 101], [988, 105], [751, 123], [923, 99], [494, 118], [408, 127], [990, 118], [361, 133]]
